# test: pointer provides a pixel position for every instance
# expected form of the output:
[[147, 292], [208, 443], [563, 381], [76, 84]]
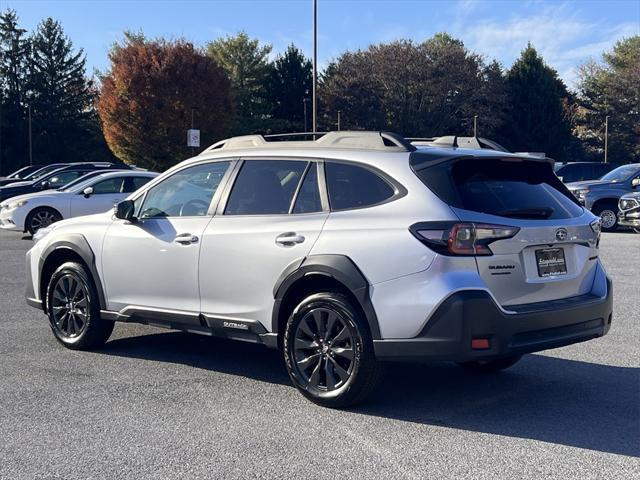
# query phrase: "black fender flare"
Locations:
[[79, 245], [339, 267]]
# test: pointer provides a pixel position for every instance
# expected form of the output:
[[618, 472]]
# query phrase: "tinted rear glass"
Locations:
[[515, 189], [351, 186]]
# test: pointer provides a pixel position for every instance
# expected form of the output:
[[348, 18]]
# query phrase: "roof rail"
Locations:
[[363, 140], [454, 141]]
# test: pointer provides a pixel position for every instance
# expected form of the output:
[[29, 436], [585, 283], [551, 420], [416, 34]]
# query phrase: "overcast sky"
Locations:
[[567, 33]]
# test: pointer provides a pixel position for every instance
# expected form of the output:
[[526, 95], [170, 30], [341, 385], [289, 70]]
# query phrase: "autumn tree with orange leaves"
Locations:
[[147, 97]]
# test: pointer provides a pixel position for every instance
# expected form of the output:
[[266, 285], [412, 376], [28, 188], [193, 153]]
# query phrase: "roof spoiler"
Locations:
[[454, 141]]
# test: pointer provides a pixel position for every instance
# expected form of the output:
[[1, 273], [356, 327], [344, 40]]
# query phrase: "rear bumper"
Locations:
[[473, 314]]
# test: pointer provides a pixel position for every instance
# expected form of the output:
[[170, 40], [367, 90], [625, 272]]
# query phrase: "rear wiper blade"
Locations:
[[542, 212]]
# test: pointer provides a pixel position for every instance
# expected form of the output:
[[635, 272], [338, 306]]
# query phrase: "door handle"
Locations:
[[185, 239], [289, 239]]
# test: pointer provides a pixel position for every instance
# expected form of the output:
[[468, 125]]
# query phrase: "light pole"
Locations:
[[193, 149], [606, 137], [305, 100], [475, 126], [315, 63], [30, 140], [338, 120], [1, 100]]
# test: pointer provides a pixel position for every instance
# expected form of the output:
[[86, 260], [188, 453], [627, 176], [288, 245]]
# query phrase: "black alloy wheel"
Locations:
[[69, 306], [73, 308], [324, 349], [328, 351]]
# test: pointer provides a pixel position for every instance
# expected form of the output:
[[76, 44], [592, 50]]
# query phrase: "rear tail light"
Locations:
[[468, 239]]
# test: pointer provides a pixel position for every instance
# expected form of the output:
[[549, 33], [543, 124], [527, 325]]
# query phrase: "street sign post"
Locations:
[[193, 138]]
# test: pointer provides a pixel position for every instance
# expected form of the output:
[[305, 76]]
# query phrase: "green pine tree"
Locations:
[[14, 52], [538, 120], [65, 124], [289, 84], [247, 65]]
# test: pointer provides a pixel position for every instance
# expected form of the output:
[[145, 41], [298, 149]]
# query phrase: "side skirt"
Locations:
[[250, 331]]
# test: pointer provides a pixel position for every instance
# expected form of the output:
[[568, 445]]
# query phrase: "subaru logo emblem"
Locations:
[[561, 234]]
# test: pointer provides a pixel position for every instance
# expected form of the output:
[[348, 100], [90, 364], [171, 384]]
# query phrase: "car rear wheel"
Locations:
[[41, 218], [73, 309], [328, 351], [490, 366], [608, 217]]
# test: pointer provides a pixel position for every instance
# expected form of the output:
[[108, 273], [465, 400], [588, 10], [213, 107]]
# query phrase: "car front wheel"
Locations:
[[608, 217], [73, 308], [41, 218], [328, 351]]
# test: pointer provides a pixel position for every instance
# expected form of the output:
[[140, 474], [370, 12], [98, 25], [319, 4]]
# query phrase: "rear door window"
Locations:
[[515, 189], [265, 187], [308, 199], [352, 186], [63, 178], [132, 184], [111, 185]]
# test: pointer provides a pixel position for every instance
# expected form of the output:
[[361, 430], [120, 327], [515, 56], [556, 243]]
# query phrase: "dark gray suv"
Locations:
[[602, 196]]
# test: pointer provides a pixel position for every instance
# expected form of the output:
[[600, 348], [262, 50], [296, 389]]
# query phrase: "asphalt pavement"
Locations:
[[159, 404]]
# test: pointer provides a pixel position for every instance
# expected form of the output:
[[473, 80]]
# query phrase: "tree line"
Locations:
[[155, 89]]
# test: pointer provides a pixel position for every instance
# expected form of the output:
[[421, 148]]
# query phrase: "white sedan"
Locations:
[[93, 193]]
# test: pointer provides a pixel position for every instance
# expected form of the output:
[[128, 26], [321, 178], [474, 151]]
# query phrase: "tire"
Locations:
[[73, 309], [491, 366], [40, 218], [328, 351], [608, 214]]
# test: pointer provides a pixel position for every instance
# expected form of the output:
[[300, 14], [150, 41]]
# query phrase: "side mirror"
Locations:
[[124, 210], [635, 183], [44, 185], [88, 192]]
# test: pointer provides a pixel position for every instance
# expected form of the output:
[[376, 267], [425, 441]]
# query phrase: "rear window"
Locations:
[[351, 186], [515, 189]]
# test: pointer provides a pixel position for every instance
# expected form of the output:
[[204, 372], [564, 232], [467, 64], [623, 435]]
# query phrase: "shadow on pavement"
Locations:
[[565, 402]]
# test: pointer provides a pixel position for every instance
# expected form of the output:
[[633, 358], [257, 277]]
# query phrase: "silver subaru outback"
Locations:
[[342, 251]]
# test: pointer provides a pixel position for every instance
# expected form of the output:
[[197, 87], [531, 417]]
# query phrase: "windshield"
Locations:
[[38, 174], [622, 173], [17, 173]]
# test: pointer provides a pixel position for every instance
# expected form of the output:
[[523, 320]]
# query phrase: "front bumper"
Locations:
[[473, 314], [629, 218], [6, 220]]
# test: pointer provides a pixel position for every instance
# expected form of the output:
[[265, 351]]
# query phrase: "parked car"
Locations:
[[602, 196], [580, 171], [629, 207], [95, 192], [33, 175], [22, 172], [53, 179], [352, 249]]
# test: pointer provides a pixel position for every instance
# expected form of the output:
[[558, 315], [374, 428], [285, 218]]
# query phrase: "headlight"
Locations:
[[17, 204], [581, 193], [628, 204]]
